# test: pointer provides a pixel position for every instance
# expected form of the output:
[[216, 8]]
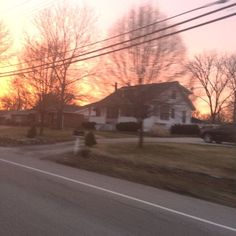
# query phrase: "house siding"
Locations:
[[174, 98]]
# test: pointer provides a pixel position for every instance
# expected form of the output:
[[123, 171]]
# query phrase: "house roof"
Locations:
[[14, 112], [150, 91]]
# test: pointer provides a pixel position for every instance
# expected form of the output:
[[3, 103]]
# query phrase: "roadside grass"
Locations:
[[115, 134], [17, 135], [212, 160], [207, 172]]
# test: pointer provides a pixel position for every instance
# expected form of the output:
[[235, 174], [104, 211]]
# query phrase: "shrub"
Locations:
[[185, 129], [77, 132], [89, 125], [32, 132], [90, 139], [128, 126]]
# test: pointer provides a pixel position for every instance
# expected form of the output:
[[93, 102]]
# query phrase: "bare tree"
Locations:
[[155, 61], [62, 35], [230, 65], [18, 96], [5, 41], [41, 79], [5, 44], [208, 75]]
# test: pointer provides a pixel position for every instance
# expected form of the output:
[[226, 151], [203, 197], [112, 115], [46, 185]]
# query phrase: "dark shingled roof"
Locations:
[[151, 91]]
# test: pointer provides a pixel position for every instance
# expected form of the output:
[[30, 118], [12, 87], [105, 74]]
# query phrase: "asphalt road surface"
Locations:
[[39, 197]]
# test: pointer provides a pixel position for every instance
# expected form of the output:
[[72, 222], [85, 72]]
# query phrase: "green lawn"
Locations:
[[203, 171]]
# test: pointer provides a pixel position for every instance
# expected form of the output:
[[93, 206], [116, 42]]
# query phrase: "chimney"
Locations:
[[116, 86]]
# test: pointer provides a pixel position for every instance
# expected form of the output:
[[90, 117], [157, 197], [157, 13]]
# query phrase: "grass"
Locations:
[[115, 134], [11, 132], [212, 160], [207, 172], [13, 135], [53, 135]]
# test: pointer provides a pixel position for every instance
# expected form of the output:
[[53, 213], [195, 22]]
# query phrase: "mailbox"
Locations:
[[78, 132]]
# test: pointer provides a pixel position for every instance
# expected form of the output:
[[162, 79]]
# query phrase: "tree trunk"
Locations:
[[42, 114], [234, 108], [213, 118], [60, 119], [140, 142]]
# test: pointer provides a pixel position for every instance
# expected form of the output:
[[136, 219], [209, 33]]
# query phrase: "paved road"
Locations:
[[39, 197]]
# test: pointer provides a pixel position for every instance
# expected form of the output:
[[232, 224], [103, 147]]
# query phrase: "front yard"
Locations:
[[15, 135], [207, 172]]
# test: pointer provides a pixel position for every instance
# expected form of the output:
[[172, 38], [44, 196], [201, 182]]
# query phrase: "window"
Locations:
[[184, 113], [165, 112], [112, 112], [173, 94], [98, 112], [156, 110], [172, 113]]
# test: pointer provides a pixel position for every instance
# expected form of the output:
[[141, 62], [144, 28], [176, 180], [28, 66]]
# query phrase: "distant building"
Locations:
[[169, 104], [29, 117], [22, 117]]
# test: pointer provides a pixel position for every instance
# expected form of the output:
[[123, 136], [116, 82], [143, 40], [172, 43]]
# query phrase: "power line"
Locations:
[[137, 44], [43, 5], [24, 70], [160, 37], [13, 8], [17, 6], [142, 27]]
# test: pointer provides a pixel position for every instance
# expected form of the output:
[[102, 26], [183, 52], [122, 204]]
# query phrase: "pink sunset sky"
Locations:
[[219, 36]]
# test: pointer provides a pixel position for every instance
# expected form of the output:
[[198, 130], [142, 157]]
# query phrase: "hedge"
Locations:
[[128, 126], [89, 125], [185, 129]]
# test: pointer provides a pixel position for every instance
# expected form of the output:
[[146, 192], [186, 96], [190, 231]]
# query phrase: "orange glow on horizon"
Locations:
[[219, 36]]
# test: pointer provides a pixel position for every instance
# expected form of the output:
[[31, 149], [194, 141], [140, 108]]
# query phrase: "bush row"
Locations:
[[128, 126], [185, 129], [134, 127], [89, 125], [123, 126]]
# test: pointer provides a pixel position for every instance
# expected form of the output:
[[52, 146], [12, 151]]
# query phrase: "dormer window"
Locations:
[[173, 94]]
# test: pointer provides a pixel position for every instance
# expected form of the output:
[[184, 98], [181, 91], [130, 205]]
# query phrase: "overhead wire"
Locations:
[[135, 44], [12, 8], [43, 5], [139, 28], [24, 70]]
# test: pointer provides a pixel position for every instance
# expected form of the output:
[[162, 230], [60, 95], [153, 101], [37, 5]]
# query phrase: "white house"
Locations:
[[168, 104]]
